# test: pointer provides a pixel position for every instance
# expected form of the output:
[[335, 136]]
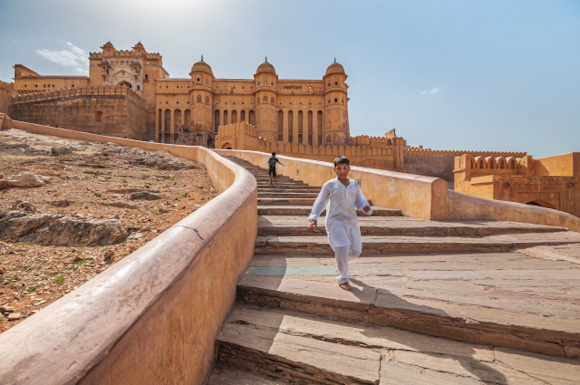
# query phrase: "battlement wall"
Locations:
[[124, 54], [76, 92], [428, 151], [6, 91], [105, 110]]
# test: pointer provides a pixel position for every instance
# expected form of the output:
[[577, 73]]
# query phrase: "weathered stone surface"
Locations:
[[60, 150], [27, 180], [16, 226], [145, 195], [20, 204]]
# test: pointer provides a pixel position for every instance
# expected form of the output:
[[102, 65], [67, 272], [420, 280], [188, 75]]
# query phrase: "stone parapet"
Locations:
[[75, 92], [153, 317], [428, 151]]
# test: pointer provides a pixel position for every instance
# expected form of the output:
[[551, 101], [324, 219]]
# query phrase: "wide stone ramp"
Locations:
[[449, 302]]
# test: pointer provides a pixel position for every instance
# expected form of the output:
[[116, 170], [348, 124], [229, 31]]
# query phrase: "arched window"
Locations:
[[265, 99], [291, 126], [481, 164], [300, 126], [272, 100], [199, 98], [242, 115], [207, 100], [280, 126]]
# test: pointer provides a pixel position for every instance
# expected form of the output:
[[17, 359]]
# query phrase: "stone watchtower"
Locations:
[[201, 97], [336, 129], [265, 102]]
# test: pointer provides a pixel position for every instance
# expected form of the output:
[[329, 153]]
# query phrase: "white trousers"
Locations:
[[343, 255]]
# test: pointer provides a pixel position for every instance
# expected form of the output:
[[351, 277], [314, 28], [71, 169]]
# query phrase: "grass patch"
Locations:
[[58, 280]]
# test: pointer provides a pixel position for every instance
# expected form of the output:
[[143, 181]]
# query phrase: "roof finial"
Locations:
[[266, 59], [202, 58], [335, 59]]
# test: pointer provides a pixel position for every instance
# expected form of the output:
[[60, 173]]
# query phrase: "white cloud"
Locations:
[[72, 57], [432, 91]]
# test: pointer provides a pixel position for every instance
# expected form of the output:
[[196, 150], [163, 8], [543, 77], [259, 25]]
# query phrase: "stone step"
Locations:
[[311, 350], [222, 374], [286, 194], [462, 297], [373, 225], [305, 211], [282, 186], [285, 201], [372, 244]]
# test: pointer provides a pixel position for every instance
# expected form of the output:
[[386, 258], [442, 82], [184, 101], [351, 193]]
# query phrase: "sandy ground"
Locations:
[[94, 181]]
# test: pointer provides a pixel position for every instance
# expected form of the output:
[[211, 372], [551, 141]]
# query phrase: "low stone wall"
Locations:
[[416, 196], [464, 206], [153, 317]]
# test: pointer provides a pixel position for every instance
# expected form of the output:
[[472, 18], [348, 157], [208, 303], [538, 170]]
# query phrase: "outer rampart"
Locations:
[[440, 163], [6, 90], [106, 110], [152, 318]]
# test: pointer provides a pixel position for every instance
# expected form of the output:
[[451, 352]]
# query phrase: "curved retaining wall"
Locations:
[[416, 196], [152, 318]]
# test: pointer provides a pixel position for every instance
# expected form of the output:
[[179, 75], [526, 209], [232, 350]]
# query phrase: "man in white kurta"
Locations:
[[341, 197]]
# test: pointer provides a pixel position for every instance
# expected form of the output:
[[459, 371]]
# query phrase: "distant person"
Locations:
[[272, 169], [340, 196]]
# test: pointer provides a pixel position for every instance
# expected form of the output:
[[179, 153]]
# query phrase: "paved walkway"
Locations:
[[470, 302]]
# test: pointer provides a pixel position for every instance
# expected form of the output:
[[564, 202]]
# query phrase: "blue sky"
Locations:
[[501, 75]]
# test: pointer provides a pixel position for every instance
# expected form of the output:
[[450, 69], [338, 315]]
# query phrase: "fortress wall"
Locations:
[[440, 166], [152, 318], [6, 90], [417, 196], [114, 111]]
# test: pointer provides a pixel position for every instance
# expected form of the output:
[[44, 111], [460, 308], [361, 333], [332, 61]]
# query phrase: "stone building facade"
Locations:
[[549, 182], [308, 112]]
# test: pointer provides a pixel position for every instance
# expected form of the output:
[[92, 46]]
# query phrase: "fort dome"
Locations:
[[266, 67], [335, 68], [202, 66]]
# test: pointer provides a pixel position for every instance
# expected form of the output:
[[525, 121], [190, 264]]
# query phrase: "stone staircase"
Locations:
[[446, 302]]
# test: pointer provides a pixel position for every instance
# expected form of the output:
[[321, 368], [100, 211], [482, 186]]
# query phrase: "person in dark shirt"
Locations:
[[272, 169]]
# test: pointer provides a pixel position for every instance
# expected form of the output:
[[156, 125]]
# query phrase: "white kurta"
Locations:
[[340, 202]]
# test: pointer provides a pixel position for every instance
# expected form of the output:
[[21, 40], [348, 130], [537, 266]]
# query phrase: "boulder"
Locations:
[[144, 195], [60, 230], [27, 180], [4, 184]]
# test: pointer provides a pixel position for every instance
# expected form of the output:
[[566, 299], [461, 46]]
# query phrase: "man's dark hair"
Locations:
[[273, 154], [341, 160]]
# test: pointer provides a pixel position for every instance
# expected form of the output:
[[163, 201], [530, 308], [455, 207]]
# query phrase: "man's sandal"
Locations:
[[345, 286]]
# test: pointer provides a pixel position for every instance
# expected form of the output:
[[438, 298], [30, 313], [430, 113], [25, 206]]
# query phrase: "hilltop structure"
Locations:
[[128, 93]]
